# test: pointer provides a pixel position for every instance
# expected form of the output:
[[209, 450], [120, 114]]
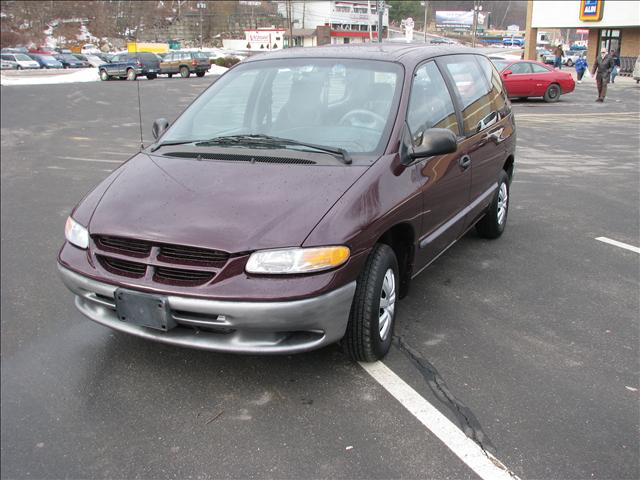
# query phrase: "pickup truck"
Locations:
[[130, 66]]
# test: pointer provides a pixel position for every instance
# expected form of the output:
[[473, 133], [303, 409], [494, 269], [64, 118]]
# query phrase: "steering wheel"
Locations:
[[363, 118]]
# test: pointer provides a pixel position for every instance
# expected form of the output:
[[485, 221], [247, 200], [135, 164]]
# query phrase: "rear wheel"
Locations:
[[104, 76], [169, 75], [18, 67], [151, 76], [184, 72], [200, 74], [569, 63], [370, 328], [495, 220], [131, 74], [553, 93]]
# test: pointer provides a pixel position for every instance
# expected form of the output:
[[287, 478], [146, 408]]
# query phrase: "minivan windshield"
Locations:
[[347, 104]]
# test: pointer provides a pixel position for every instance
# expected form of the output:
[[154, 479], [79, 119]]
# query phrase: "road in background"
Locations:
[[529, 343]]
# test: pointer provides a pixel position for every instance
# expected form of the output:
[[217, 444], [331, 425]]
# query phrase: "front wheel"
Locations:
[[370, 328], [104, 76], [169, 75], [569, 63], [131, 74], [552, 94], [151, 76], [18, 67], [495, 220]]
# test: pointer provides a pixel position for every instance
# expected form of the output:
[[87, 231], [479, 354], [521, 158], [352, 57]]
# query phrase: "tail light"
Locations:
[[138, 63], [194, 62]]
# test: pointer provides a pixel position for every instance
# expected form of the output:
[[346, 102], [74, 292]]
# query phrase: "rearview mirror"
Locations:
[[159, 126], [435, 141], [506, 73]]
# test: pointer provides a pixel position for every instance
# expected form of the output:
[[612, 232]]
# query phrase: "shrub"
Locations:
[[227, 62]]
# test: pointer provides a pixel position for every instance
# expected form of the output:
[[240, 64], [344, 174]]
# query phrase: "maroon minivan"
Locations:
[[292, 202]]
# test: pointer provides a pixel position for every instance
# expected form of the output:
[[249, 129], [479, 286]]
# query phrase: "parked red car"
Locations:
[[524, 79]]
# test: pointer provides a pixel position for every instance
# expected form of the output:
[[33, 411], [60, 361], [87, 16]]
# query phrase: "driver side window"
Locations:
[[430, 104]]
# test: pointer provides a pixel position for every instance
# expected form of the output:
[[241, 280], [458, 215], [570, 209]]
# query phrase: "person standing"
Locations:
[[581, 67], [559, 54], [602, 70], [616, 67]]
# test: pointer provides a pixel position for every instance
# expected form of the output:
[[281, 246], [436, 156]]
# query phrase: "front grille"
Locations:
[[127, 246], [123, 267], [240, 158], [181, 277], [192, 255]]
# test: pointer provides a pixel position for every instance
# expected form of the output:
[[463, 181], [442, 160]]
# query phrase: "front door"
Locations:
[[445, 178], [519, 81]]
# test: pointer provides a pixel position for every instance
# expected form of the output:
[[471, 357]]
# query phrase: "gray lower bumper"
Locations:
[[224, 326]]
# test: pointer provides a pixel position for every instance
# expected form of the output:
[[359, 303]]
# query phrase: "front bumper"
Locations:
[[227, 326]]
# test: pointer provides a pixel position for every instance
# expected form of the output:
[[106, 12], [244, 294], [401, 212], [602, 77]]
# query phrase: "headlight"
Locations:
[[297, 260], [76, 234]]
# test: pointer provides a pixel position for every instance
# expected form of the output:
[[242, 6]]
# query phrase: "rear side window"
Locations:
[[499, 98], [430, 105], [474, 91]]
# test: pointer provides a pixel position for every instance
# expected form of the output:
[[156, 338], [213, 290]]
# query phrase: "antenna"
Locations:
[[139, 103]]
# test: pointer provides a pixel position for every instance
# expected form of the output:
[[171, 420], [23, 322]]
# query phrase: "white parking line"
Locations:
[[84, 159], [482, 463], [618, 244]]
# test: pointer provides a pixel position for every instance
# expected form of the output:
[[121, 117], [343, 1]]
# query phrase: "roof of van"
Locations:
[[398, 52]]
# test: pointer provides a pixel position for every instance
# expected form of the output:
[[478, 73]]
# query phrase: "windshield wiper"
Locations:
[[171, 142], [267, 140]]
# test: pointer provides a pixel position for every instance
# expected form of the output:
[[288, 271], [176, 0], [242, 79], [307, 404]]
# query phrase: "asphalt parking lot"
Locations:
[[529, 343]]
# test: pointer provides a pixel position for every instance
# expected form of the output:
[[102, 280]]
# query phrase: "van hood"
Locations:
[[230, 206]]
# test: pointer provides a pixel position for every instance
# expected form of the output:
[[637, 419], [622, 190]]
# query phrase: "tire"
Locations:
[[200, 74], [495, 220], [151, 76], [169, 75], [131, 74], [553, 93], [18, 67], [366, 338], [104, 76], [569, 63], [184, 72]]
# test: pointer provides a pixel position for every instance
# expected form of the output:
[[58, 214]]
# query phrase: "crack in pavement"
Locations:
[[467, 420]]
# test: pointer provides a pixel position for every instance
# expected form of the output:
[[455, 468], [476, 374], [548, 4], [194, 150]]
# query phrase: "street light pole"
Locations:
[[380, 14], [201, 6]]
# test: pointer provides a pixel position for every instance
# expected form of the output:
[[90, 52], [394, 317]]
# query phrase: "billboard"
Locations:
[[457, 19]]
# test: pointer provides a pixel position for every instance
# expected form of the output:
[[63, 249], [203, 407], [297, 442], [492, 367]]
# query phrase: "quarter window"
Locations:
[[499, 98], [430, 105]]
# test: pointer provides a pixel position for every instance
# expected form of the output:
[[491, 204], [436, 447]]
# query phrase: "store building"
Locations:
[[612, 24], [343, 21]]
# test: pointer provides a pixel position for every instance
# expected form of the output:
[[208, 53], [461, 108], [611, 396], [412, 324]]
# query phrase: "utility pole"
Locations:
[[380, 14], [425, 20]]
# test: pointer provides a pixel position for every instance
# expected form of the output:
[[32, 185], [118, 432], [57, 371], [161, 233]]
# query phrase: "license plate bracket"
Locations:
[[144, 309]]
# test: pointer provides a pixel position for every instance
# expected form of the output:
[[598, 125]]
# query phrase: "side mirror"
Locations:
[[159, 126], [506, 73], [435, 141]]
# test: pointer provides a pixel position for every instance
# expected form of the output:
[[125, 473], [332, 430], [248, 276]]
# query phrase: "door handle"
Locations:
[[464, 161]]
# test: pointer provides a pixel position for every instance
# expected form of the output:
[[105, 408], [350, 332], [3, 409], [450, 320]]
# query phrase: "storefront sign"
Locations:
[[591, 10]]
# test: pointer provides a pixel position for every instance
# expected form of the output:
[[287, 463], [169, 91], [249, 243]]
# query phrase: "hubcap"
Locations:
[[503, 198], [387, 304]]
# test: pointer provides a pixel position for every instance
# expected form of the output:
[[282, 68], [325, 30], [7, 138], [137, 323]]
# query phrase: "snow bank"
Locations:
[[75, 76]]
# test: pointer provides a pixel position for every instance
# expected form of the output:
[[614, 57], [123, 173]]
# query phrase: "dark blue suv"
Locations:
[[130, 65]]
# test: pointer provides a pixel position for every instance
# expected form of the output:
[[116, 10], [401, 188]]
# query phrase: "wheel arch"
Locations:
[[401, 238], [508, 166]]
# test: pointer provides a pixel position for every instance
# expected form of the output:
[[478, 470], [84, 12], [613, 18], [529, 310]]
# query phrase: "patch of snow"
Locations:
[[217, 70], [79, 76]]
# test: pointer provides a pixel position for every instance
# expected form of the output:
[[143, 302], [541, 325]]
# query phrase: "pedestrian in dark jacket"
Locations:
[[559, 54], [581, 67], [602, 70]]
